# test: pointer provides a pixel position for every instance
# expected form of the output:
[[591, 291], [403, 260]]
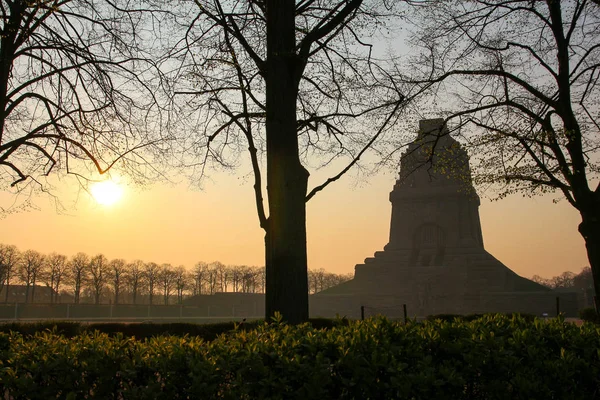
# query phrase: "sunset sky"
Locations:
[[347, 222]]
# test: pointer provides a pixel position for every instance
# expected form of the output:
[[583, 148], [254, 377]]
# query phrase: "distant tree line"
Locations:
[[568, 280], [85, 279]]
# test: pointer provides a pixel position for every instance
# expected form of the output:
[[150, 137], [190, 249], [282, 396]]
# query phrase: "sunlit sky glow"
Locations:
[[346, 223], [107, 192]]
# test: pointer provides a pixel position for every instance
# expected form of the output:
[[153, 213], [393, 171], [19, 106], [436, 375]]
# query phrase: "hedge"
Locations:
[[147, 330], [494, 357]]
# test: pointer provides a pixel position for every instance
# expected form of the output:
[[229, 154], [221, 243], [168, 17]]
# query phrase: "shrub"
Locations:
[[473, 317], [66, 328], [493, 357], [147, 330], [590, 315]]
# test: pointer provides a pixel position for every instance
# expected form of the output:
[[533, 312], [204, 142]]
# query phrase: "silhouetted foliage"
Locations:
[[30, 268], [98, 280], [293, 80], [582, 280], [9, 258], [73, 91], [589, 314], [520, 85]]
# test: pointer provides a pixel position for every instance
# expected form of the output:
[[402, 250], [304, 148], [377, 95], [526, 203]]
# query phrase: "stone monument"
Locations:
[[435, 261]]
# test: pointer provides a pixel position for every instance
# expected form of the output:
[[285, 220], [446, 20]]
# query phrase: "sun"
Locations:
[[106, 192]]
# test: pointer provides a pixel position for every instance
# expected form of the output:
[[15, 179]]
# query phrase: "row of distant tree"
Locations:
[[86, 279], [568, 280]]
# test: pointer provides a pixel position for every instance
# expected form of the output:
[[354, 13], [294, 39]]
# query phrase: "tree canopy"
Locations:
[[74, 91], [518, 81]]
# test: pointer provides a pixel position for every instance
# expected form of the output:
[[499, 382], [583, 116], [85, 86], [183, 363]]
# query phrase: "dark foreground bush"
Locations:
[[473, 317], [137, 330], [495, 357], [65, 328], [147, 330], [590, 315]]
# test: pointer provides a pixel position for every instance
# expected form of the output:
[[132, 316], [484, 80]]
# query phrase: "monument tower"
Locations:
[[435, 208], [435, 260]]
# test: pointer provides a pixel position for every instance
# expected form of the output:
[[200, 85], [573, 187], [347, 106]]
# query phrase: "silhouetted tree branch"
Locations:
[[75, 90], [297, 82], [523, 78]]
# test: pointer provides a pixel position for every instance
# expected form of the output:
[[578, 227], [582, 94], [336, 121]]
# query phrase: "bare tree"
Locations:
[[56, 268], [259, 273], [181, 282], [316, 280], [118, 275], [236, 276], [212, 277], [99, 271], [151, 276], [542, 281], [166, 280], [135, 276], [584, 279], [30, 266], [320, 279], [78, 273], [199, 274], [524, 82], [73, 91], [9, 259], [251, 279], [223, 273], [564, 280], [299, 80]]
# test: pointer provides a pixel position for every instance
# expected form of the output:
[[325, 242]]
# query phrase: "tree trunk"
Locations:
[[77, 287], [52, 290], [7, 288], [287, 179], [33, 291], [590, 230], [57, 288]]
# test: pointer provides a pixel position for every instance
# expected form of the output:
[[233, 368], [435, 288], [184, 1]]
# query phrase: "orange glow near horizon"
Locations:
[[346, 223]]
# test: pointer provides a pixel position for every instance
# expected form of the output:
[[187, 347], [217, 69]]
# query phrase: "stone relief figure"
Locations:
[[428, 245]]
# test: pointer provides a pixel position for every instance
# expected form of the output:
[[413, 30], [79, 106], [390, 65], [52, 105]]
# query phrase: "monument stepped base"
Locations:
[[536, 303]]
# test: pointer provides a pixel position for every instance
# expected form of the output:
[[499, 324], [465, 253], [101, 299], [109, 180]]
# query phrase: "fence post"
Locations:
[[362, 313], [557, 306], [16, 310], [68, 310], [405, 313]]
